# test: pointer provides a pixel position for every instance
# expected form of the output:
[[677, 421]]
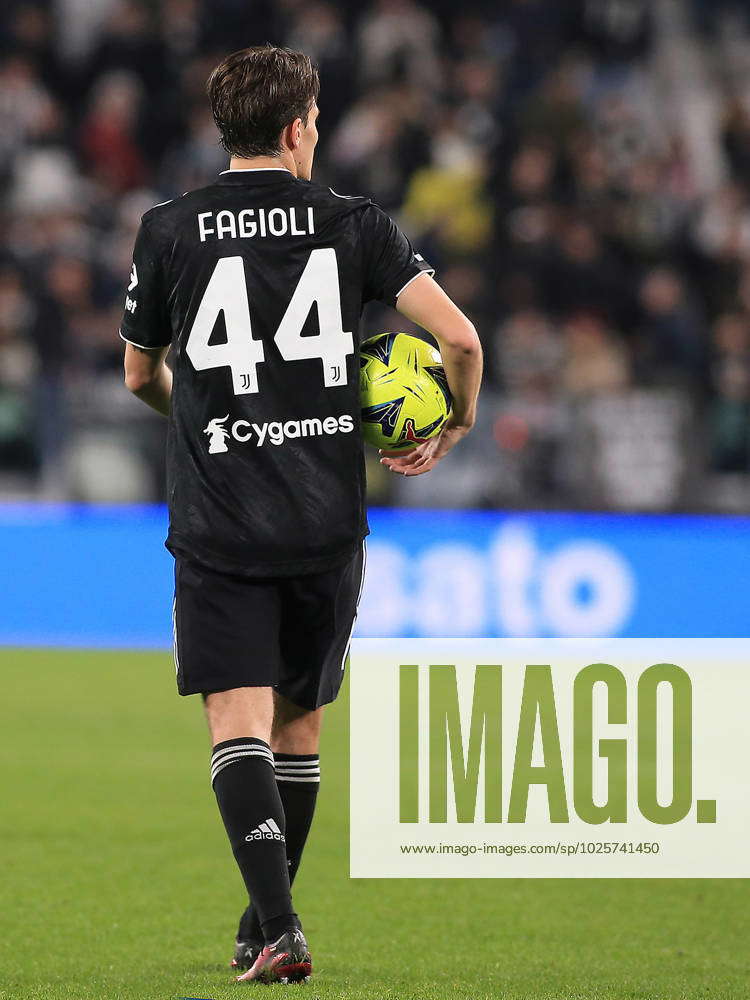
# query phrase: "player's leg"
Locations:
[[227, 648], [244, 782], [244, 711], [295, 741], [317, 618]]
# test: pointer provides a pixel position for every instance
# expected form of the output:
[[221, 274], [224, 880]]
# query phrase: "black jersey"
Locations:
[[257, 282]]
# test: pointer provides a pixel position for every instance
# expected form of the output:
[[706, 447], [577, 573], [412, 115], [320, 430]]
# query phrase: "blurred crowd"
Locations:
[[578, 172]]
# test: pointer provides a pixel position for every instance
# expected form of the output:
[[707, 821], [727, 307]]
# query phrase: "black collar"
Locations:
[[259, 175]]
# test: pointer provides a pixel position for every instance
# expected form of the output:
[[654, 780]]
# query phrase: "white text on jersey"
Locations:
[[253, 222], [275, 432]]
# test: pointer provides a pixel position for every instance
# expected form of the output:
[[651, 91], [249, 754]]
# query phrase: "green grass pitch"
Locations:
[[116, 880]]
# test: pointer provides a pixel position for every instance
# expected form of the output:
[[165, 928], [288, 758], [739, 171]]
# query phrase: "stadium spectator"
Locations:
[[587, 208]]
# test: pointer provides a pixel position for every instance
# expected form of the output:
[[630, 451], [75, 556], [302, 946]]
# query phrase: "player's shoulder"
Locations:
[[326, 197], [172, 210], [166, 222], [347, 210]]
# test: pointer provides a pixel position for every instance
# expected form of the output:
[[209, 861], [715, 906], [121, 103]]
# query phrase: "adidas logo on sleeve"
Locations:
[[268, 830]]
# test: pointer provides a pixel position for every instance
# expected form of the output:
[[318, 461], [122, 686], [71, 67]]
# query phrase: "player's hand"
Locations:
[[426, 455]]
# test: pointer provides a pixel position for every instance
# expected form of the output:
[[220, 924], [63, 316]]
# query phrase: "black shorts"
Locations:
[[289, 633]]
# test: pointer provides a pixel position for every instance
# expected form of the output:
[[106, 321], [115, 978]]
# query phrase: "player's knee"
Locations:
[[239, 712], [295, 730]]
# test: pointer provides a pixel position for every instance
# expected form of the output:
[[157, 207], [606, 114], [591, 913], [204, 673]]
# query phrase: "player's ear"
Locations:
[[293, 134]]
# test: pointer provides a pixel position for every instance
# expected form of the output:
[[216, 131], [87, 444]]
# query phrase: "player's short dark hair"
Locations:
[[255, 93]]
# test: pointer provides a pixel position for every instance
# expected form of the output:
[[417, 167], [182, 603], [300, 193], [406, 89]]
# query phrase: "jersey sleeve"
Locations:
[[145, 322], [390, 261]]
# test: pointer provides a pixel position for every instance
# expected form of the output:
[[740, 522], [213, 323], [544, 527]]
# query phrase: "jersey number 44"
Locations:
[[227, 292]]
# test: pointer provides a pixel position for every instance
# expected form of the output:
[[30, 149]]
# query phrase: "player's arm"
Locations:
[[424, 302], [147, 376], [396, 275], [145, 327]]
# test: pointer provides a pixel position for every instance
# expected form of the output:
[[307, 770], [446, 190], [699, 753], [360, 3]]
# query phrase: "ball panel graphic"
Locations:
[[404, 391]]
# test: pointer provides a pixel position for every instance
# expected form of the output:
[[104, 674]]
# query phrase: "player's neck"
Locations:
[[283, 162]]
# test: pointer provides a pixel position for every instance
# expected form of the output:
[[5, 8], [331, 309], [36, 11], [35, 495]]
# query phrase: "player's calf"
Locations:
[[298, 780], [243, 778], [244, 781]]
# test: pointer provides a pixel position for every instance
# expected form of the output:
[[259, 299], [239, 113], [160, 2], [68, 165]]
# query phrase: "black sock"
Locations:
[[243, 779], [298, 778]]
